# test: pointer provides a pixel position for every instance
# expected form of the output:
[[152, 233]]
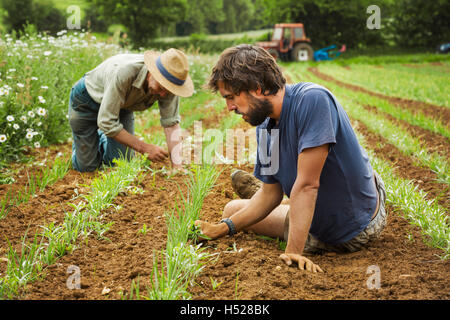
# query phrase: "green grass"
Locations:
[[428, 85]]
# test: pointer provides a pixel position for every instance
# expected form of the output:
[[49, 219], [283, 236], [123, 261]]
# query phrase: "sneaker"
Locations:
[[244, 184]]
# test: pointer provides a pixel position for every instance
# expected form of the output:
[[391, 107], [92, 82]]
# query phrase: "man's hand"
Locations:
[[154, 153], [303, 262], [212, 231]]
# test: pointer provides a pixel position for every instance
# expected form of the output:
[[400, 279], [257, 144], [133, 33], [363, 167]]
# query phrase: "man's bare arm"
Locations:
[[153, 152], [302, 204], [263, 202]]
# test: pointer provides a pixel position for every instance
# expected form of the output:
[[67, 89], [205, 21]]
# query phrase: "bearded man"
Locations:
[[308, 151]]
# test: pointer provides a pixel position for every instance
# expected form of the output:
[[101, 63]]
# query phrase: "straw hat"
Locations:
[[170, 69]]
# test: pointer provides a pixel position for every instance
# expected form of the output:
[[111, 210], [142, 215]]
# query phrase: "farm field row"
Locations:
[[125, 260], [427, 82]]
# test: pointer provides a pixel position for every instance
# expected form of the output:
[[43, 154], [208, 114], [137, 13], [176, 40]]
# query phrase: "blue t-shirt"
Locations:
[[311, 117]]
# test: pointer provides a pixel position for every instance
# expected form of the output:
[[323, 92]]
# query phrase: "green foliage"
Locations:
[[41, 13], [330, 22], [200, 15], [37, 73], [421, 22], [142, 18], [200, 43], [18, 13]]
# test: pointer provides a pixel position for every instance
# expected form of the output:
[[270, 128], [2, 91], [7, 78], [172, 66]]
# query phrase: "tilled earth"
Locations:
[[245, 266]]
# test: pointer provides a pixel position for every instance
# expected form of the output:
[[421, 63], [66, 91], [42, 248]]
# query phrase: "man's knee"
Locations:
[[232, 207]]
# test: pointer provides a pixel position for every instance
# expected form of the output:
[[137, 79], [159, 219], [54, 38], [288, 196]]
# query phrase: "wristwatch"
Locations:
[[231, 227]]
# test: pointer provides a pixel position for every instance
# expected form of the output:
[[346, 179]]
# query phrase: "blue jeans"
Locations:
[[91, 147]]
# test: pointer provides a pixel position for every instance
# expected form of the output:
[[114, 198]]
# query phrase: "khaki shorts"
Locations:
[[371, 232]]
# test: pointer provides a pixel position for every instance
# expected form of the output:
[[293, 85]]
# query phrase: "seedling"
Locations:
[[214, 283], [196, 235], [144, 229]]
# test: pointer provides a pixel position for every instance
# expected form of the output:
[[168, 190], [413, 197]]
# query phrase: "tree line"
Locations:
[[405, 23]]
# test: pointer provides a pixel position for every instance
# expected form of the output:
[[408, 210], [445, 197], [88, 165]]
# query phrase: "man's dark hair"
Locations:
[[246, 68]]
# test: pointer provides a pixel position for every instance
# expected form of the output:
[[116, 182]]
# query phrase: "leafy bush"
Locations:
[[37, 72], [200, 43], [41, 13]]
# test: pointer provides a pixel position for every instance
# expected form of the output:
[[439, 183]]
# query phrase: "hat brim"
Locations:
[[185, 90]]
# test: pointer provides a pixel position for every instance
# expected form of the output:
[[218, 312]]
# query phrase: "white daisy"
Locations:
[[23, 119], [16, 126], [41, 99], [44, 87], [29, 135], [31, 114], [47, 53], [2, 138], [10, 118], [20, 85], [37, 144], [34, 78]]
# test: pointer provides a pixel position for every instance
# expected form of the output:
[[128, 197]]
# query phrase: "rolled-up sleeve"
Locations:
[[169, 110], [113, 99]]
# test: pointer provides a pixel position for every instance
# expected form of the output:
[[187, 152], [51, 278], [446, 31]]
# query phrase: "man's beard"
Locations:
[[259, 110]]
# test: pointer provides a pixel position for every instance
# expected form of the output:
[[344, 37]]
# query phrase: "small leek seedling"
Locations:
[[214, 283]]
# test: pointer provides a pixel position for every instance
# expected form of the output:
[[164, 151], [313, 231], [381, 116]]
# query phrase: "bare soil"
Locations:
[[246, 266]]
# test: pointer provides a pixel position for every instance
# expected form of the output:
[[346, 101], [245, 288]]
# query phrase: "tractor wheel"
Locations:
[[302, 52], [274, 53]]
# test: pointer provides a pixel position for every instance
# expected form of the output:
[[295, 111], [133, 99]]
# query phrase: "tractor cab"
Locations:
[[289, 43]]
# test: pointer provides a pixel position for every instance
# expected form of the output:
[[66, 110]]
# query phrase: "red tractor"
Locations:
[[289, 43]]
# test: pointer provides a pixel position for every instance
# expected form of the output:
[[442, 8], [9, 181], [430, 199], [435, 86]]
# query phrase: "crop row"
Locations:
[[53, 241], [419, 82]]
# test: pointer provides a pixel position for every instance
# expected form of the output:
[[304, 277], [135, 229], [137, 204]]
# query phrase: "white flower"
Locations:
[[39, 124], [11, 70], [37, 145], [24, 119], [34, 78], [20, 85], [44, 87], [29, 135], [29, 56], [2, 138], [31, 114], [41, 99], [4, 92], [47, 53], [16, 126], [10, 118]]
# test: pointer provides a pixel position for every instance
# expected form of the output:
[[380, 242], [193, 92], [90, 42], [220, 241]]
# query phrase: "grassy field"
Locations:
[[127, 227]]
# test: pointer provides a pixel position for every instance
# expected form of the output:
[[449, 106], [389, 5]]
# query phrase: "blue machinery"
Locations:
[[328, 53]]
